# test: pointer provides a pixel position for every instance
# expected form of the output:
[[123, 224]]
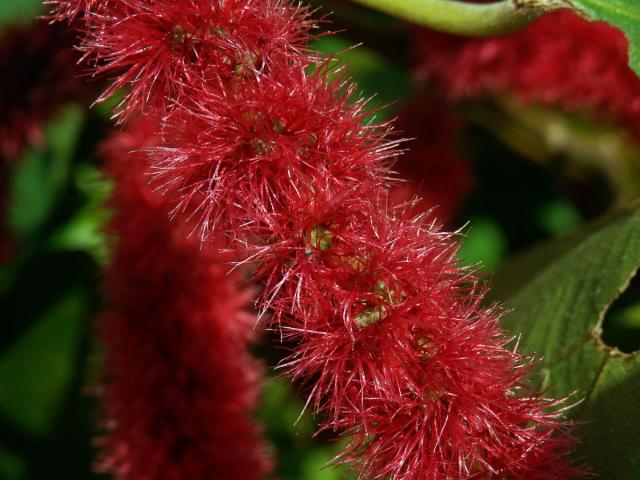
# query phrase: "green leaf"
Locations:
[[484, 244], [12, 466], [50, 275], [85, 230], [40, 177], [623, 14], [559, 313], [13, 11], [36, 370]]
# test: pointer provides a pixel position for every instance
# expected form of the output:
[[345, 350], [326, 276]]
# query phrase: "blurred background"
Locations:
[[508, 175]]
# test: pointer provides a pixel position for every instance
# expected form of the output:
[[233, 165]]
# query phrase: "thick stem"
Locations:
[[464, 18]]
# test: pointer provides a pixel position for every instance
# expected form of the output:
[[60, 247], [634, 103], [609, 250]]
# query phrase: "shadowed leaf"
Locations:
[[560, 312]]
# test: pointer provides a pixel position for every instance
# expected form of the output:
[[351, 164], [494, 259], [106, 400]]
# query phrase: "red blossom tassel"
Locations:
[[180, 384], [561, 60], [391, 338]]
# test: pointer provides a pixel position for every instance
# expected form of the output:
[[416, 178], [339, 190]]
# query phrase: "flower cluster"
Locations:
[[561, 60], [389, 329], [180, 383], [263, 141]]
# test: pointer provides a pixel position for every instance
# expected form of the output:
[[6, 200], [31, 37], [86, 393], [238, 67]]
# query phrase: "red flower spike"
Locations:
[[392, 340], [404, 359], [561, 60], [180, 384], [389, 330]]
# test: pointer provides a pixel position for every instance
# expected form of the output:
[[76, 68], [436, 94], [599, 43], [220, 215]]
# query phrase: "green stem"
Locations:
[[464, 18]]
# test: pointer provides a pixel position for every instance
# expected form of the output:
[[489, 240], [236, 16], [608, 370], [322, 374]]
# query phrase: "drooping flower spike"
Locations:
[[391, 338], [180, 384], [561, 60]]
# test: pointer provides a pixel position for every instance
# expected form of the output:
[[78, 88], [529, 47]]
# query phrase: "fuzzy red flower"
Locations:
[[180, 383], [397, 350], [561, 60], [390, 334], [389, 330], [236, 157]]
